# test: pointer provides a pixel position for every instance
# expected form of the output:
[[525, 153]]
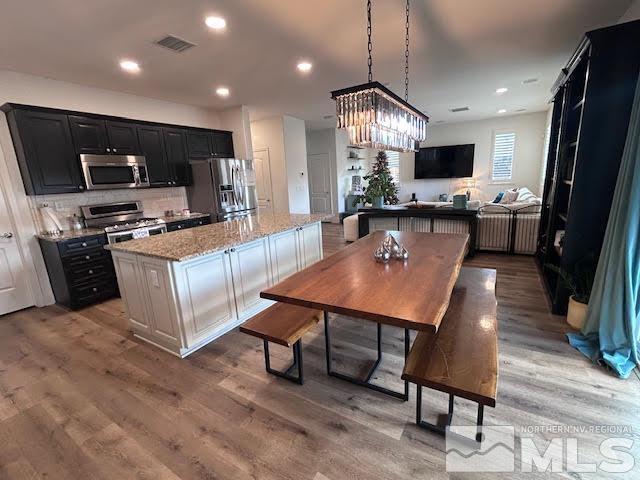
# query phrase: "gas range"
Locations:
[[122, 221]]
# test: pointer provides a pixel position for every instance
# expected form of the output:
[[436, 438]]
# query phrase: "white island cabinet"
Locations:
[[181, 304]]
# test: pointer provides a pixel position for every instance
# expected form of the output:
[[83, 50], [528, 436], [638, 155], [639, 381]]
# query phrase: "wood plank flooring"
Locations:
[[80, 398]]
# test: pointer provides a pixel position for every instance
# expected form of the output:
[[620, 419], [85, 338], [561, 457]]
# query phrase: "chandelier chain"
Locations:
[[406, 57], [369, 44]]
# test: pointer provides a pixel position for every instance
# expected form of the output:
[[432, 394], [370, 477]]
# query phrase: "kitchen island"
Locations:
[[183, 289]]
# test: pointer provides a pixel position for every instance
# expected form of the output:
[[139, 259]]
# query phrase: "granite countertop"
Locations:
[[71, 234], [194, 242]]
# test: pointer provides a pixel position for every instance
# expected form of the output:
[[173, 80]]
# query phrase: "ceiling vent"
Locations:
[[529, 80], [459, 109], [174, 43]]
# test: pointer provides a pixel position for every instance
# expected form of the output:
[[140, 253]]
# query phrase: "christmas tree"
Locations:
[[381, 182]]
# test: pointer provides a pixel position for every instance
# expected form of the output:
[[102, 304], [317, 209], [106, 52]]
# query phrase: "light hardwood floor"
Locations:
[[80, 398]]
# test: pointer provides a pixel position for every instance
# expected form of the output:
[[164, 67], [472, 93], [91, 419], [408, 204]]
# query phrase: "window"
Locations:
[[393, 160], [503, 150]]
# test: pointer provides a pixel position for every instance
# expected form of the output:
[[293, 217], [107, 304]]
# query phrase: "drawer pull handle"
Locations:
[[84, 244], [87, 257], [94, 289], [90, 272]]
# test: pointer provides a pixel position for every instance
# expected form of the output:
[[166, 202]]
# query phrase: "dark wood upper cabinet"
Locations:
[[89, 135], [45, 152], [123, 138], [49, 141], [222, 144], [207, 144], [175, 142], [152, 147], [199, 144]]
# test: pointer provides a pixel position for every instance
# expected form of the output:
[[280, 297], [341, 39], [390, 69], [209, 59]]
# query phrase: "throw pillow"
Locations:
[[509, 196], [525, 195], [498, 197]]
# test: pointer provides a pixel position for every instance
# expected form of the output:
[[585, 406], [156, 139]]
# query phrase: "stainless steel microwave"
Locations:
[[102, 172]]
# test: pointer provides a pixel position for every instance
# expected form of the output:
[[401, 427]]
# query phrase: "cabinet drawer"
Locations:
[[92, 272], [76, 246], [83, 257], [90, 292]]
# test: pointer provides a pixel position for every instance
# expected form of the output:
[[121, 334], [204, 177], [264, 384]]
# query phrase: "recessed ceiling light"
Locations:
[[215, 23], [502, 110], [222, 91], [304, 66], [130, 66], [501, 90]]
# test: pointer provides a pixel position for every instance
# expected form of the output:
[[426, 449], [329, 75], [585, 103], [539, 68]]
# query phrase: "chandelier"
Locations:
[[376, 117]]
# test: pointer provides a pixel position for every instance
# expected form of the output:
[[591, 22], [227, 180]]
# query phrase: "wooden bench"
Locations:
[[461, 358], [285, 325]]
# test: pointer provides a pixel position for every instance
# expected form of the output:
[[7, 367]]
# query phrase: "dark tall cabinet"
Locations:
[[592, 104]]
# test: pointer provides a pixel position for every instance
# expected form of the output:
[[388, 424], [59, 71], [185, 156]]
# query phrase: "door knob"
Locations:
[[7, 235]]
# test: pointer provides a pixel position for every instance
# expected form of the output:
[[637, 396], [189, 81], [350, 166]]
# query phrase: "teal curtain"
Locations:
[[611, 333]]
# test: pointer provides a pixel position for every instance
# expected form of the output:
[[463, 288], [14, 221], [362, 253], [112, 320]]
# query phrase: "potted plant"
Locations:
[[381, 188], [579, 281]]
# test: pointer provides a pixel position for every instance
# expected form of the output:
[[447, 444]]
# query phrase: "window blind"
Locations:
[[394, 165], [503, 150]]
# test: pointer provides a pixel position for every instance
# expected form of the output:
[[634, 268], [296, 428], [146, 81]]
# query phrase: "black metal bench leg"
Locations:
[[479, 436], [297, 363], [367, 380], [441, 427]]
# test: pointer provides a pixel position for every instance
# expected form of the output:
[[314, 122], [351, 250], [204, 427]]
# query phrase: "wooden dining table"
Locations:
[[412, 294]]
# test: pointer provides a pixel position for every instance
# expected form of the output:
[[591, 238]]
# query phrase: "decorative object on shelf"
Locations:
[[579, 281], [460, 201], [376, 117], [380, 184], [390, 248], [414, 199], [356, 185], [443, 197]]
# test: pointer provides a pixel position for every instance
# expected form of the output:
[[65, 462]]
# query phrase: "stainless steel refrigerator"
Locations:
[[224, 187]]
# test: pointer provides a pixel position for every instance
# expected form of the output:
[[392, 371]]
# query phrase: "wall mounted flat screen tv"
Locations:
[[452, 161]]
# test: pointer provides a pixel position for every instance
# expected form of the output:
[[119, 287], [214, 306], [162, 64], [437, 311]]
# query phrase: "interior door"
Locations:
[[15, 293], [319, 182], [262, 166]]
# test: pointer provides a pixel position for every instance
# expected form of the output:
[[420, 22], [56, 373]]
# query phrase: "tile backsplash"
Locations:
[[154, 200]]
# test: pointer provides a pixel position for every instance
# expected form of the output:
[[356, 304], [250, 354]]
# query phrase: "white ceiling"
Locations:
[[461, 50]]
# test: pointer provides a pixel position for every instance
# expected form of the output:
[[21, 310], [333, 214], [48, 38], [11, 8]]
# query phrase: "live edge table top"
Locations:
[[413, 294]]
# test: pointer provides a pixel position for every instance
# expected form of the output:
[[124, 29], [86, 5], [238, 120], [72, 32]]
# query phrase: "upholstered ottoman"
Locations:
[[350, 224]]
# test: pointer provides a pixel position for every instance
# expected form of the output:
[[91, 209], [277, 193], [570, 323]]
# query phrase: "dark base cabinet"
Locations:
[[190, 223], [80, 270]]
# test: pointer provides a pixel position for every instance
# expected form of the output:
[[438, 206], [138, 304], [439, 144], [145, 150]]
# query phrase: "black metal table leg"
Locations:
[[367, 381]]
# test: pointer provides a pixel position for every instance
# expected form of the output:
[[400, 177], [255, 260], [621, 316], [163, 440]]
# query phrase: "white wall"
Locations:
[[32, 90], [295, 152], [529, 129], [236, 119], [285, 139], [333, 142], [632, 13], [269, 134]]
